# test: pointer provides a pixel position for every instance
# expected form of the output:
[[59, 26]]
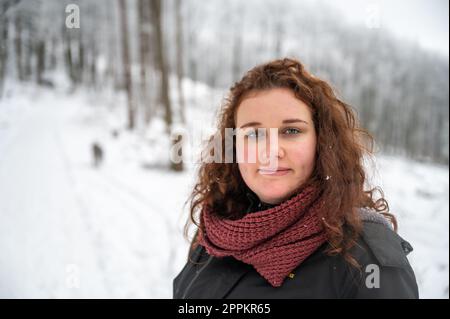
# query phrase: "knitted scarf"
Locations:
[[275, 241]]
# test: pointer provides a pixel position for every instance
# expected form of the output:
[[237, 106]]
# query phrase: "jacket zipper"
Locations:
[[195, 277]]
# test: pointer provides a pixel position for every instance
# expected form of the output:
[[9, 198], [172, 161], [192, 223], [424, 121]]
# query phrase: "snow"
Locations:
[[68, 230], [418, 195]]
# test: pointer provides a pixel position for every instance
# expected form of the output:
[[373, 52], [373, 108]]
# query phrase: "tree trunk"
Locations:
[[68, 57], [180, 55], [80, 65], [126, 63], [156, 7], [3, 51], [237, 53], [145, 57], [28, 56], [279, 37], [237, 46], [40, 66], [93, 66], [18, 47], [53, 59]]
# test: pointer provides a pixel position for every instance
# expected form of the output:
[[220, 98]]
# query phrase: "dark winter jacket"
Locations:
[[384, 273]]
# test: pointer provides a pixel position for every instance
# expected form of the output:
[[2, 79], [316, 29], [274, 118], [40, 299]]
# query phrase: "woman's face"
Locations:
[[293, 153]]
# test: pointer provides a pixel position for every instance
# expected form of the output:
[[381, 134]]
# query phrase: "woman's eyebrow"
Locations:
[[250, 124], [294, 121], [288, 121]]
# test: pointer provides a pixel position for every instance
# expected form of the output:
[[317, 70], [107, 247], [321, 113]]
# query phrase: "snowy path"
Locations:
[[69, 230], [41, 222]]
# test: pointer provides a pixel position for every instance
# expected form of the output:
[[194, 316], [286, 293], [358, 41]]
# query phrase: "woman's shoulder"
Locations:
[[387, 246], [385, 271]]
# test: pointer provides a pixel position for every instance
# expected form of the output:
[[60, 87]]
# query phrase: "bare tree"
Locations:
[[145, 56], [180, 57], [126, 63], [156, 7], [4, 26], [40, 65], [236, 64], [18, 46]]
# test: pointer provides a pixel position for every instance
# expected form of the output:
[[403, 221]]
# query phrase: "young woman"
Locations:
[[303, 227]]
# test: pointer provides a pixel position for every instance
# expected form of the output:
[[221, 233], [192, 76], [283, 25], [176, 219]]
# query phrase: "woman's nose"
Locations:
[[274, 150], [271, 148], [281, 152]]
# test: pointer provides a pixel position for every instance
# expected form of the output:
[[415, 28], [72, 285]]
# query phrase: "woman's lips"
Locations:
[[276, 172]]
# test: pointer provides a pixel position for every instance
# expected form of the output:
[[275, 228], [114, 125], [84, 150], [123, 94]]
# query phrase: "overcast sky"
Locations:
[[422, 21]]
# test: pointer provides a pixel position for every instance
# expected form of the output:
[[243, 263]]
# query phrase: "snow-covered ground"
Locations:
[[70, 230]]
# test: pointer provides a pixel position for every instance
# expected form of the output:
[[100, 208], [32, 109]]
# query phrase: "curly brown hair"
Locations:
[[338, 172]]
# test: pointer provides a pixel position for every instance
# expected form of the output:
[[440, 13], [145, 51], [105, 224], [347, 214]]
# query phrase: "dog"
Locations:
[[97, 154]]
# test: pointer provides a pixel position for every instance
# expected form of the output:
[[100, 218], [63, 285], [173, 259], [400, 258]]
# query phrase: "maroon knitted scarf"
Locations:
[[275, 241]]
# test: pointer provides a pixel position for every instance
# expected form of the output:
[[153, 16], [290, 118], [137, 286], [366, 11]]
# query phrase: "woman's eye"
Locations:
[[291, 131], [251, 134]]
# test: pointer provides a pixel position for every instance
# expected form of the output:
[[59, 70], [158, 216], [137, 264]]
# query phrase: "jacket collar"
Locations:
[[232, 272], [220, 276]]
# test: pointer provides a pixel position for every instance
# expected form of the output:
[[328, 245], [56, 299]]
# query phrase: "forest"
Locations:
[[147, 48]]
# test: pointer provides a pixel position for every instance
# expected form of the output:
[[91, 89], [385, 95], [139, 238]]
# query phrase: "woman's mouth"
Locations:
[[274, 172]]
